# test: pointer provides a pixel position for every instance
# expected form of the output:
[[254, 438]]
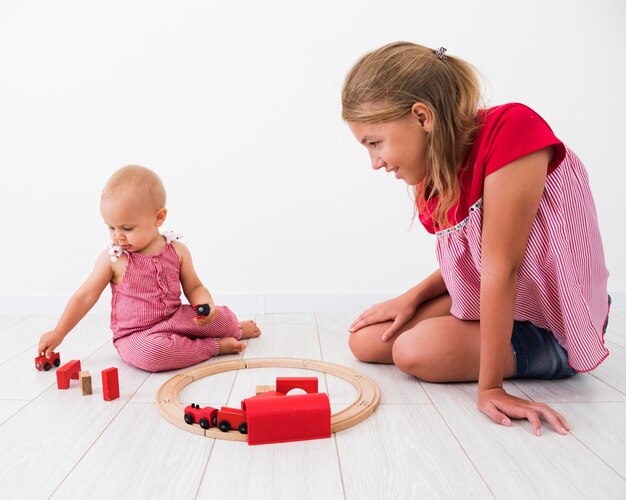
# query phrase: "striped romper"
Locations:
[[152, 330], [562, 282]]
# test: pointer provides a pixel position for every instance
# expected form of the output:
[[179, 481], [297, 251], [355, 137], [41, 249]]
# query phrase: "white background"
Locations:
[[237, 106]]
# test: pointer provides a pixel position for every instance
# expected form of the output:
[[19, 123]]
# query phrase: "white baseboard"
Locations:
[[239, 303], [242, 303]]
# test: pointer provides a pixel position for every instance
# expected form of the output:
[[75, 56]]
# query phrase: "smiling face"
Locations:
[[398, 146]]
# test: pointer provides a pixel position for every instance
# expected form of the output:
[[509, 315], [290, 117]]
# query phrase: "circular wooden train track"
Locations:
[[368, 394]]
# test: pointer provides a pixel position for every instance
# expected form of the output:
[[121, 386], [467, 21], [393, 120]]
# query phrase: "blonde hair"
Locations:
[[385, 84], [139, 181]]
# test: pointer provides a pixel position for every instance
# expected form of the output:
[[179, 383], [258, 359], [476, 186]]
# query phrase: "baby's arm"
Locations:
[[193, 288], [81, 302]]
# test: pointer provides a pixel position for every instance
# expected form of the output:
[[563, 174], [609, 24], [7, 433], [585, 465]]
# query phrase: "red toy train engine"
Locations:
[[206, 417]]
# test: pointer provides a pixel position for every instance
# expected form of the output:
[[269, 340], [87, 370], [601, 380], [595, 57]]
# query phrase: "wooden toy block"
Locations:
[[260, 389], [110, 384], [85, 382], [43, 363], [286, 384], [66, 372]]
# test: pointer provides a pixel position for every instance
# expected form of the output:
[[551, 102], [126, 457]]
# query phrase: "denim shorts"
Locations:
[[538, 354]]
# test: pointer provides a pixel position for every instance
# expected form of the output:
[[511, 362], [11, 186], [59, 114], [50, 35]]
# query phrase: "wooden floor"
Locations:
[[424, 441]]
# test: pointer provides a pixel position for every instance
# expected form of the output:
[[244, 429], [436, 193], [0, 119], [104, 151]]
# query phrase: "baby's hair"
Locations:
[[141, 182], [385, 84]]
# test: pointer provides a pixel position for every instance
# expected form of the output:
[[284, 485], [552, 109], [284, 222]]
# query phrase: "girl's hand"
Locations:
[[205, 320], [48, 342], [499, 406], [399, 310]]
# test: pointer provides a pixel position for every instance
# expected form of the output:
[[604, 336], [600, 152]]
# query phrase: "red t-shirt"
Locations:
[[507, 133]]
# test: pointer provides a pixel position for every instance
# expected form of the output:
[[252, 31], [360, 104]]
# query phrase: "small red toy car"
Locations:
[[43, 363], [206, 417]]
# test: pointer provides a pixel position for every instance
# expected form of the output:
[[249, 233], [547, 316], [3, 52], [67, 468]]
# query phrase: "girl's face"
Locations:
[[132, 226], [398, 146]]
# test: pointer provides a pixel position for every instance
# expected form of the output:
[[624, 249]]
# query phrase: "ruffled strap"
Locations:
[[172, 235], [115, 252]]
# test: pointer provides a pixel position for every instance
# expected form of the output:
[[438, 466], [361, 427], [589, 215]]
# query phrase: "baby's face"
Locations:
[[131, 225]]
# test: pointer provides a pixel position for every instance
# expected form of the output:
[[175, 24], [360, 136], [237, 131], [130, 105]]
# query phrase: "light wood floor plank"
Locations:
[[280, 340], [425, 460], [50, 435], [602, 428], [302, 470], [582, 387], [9, 408], [515, 463], [24, 335], [165, 461]]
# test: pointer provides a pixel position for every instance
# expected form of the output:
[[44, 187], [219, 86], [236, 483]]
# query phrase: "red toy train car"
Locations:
[[225, 419], [43, 363]]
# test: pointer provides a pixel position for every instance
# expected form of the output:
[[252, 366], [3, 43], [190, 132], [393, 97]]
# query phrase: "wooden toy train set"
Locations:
[[271, 416]]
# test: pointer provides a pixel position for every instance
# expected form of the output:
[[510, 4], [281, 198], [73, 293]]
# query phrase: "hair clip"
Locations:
[[440, 53]]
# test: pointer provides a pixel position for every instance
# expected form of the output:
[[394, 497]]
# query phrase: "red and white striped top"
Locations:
[[562, 282], [148, 294]]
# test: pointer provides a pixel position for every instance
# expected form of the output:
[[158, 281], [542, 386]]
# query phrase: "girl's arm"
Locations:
[[511, 199], [401, 309], [193, 288], [79, 304]]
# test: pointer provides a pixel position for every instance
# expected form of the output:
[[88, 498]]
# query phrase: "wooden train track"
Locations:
[[368, 394]]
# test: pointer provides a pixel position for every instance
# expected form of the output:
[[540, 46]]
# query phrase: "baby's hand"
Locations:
[[48, 342], [205, 320]]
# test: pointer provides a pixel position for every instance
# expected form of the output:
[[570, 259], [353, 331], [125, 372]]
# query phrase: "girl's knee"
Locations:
[[412, 355], [360, 343]]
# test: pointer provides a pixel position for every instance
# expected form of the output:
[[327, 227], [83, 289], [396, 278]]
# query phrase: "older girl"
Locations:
[[521, 285]]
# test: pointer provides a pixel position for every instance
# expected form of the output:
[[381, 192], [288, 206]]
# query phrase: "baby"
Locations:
[[152, 330]]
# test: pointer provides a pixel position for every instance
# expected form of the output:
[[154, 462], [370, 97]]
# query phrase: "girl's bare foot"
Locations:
[[230, 345], [250, 330]]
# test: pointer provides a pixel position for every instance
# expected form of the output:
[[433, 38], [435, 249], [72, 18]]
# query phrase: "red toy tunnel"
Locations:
[[278, 419]]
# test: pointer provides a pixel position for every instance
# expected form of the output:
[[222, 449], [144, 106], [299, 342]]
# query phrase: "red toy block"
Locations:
[[110, 384], [287, 418], [66, 372], [43, 363], [307, 384]]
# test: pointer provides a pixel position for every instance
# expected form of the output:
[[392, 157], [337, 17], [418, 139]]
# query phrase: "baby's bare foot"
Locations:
[[230, 345], [250, 330]]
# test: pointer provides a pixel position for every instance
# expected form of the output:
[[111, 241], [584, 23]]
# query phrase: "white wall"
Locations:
[[236, 105]]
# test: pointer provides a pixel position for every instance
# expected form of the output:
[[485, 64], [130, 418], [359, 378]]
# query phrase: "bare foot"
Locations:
[[230, 345], [250, 330]]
